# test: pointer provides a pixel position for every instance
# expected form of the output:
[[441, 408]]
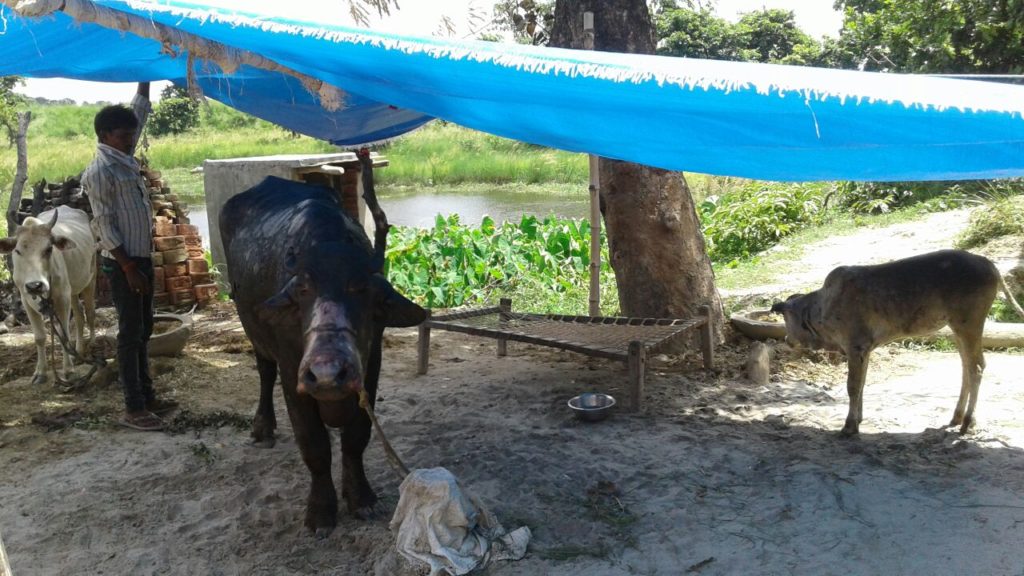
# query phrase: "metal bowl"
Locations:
[[592, 406]]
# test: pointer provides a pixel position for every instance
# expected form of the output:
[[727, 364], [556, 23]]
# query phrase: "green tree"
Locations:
[[773, 36], [698, 34], [529, 20], [9, 102], [176, 112], [759, 36], [936, 36]]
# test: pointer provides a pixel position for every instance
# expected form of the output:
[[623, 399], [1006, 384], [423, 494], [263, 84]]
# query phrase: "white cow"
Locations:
[[62, 275]]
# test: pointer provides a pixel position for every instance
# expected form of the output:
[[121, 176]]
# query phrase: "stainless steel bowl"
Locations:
[[592, 406]]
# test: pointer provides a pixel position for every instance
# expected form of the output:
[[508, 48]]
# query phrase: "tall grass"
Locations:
[[61, 142], [443, 153]]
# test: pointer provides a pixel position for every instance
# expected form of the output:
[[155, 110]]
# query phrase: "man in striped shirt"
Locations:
[[123, 222]]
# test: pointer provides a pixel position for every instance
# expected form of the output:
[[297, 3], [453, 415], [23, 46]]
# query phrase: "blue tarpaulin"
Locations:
[[730, 118]]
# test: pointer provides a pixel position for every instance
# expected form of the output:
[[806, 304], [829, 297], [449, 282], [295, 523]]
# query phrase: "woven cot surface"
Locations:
[[612, 334]]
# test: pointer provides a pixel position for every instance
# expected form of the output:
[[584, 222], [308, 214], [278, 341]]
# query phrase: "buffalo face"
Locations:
[[343, 304]]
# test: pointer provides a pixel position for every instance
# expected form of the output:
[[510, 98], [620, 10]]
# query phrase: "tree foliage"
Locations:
[[936, 36], [176, 112], [528, 20], [9, 102], [759, 36]]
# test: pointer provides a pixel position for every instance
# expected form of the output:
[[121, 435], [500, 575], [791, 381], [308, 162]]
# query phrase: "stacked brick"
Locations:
[[181, 275]]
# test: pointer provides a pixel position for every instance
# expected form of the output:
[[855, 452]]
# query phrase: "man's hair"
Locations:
[[113, 118]]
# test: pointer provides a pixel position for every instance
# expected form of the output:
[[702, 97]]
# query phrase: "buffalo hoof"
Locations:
[[320, 522], [264, 442], [371, 512], [849, 431], [40, 379], [364, 506]]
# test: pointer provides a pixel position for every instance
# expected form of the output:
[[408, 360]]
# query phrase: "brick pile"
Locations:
[[181, 275]]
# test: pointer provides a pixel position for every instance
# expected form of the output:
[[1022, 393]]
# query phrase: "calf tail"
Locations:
[[1009, 296]]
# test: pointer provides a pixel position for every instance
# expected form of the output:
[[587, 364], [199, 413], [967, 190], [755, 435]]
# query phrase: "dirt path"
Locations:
[[874, 245], [716, 476]]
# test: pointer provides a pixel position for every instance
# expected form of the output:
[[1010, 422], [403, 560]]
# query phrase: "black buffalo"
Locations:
[[311, 297]]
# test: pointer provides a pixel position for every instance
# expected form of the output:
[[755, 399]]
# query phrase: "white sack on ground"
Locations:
[[438, 523]]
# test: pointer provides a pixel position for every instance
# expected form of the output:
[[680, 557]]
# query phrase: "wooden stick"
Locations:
[[423, 346], [637, 363], [380, 219]]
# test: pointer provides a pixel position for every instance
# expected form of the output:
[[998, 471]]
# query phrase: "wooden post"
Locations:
[[20, 173], [707, 337], [595, 197], [637, 365], [505, 304], [423, 345]]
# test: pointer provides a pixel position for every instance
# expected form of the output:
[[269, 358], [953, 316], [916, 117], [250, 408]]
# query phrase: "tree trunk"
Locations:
[[21, 172], [654, 236], [20, 177]]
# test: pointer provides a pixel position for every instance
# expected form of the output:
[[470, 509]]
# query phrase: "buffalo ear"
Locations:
[[280, 309], [398, 311], [64, 243], [7, 245]]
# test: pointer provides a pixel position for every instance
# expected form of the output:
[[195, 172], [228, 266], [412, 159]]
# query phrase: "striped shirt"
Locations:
[[122, 213]]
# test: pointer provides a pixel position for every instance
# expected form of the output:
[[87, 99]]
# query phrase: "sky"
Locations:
[[419, 17]]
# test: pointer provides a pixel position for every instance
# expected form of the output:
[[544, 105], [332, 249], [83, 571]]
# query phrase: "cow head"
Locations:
[[343, 302], [31, 249], [803, 314]]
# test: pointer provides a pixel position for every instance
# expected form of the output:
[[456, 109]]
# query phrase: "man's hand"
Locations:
[[137, 280]]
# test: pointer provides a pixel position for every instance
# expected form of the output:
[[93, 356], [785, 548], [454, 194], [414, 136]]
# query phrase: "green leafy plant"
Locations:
[[757, 215], [175, 113], [453, 264]]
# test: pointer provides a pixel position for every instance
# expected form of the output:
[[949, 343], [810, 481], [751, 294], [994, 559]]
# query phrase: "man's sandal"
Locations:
[[161, 407], [145, 421]]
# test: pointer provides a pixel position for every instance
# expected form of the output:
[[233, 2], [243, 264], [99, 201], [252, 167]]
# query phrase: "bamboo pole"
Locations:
[[595, 197]]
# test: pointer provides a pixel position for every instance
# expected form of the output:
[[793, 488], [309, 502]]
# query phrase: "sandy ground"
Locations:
[[715, 476]]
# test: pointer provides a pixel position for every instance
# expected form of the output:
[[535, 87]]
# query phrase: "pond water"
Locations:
[[420, 209]]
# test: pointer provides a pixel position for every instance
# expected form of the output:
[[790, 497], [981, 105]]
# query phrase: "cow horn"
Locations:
[[53, 221]]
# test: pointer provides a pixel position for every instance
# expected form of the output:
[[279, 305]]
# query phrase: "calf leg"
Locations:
[[265, 422], [857, 369], [39, 335], [972, 360]]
